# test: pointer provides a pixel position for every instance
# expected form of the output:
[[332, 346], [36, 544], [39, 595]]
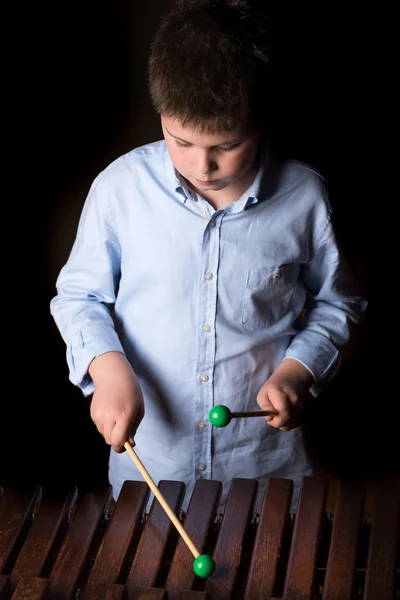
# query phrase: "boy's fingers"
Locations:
[[282, 419], [134, 427], [119, 436], [131, 441], [265, 404], [107, 431], [131, 438]]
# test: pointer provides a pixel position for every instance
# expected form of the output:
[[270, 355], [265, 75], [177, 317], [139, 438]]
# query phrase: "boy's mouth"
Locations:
[[201, 182]]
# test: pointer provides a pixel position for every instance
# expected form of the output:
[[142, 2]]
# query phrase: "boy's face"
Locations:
[[211, 161]]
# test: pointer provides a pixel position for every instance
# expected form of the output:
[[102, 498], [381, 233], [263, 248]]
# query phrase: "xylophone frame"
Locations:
[[82, 545]]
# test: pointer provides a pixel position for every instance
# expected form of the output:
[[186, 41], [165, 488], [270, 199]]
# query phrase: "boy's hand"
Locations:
[[117, 406], [286, 391]]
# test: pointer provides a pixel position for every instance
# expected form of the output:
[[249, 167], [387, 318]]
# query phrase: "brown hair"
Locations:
[[209, 64]]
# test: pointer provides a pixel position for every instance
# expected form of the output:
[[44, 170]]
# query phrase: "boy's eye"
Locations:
[[217, 148], [222, 149]]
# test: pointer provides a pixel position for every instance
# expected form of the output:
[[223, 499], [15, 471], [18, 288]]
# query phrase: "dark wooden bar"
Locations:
[[32, 588], [340, 574], [73, 558], [271, 530], [49, 525], [121, 532], [234, 526], [5, 587], [157, 534], [106, 591], [150, 594], [307, 530], [200, 515], [15, 521], [384, 548]]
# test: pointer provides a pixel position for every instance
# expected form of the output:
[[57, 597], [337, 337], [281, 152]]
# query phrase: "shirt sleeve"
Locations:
[[86, 290], [334, 308]]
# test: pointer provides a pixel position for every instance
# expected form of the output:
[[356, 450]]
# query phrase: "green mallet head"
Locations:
[[220, 416], [204, 566]]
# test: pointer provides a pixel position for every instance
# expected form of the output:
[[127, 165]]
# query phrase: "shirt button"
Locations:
[[211, 223], [206, 328], [202, 425], [204, 378], [208, 276], [202, 467]]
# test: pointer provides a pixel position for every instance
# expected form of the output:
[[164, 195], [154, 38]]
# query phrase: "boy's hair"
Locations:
[[209, 64]]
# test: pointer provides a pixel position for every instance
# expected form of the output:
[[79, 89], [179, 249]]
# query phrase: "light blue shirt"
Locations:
[[205, 304]]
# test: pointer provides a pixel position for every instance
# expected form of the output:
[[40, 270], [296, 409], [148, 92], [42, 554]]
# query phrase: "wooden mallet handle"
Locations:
[[146, 476], [254, 413]]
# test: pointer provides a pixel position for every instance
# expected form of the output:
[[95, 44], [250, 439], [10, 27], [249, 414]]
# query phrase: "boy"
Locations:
[[206, 271]]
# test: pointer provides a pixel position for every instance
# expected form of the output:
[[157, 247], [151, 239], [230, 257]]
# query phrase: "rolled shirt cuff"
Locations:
[[87, 345], [318, 355]]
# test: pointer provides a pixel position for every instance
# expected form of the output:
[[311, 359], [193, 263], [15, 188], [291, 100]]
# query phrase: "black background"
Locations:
[[77, 99]]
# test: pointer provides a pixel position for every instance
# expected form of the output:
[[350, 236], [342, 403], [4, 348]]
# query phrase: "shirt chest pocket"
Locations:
[[267, 295]]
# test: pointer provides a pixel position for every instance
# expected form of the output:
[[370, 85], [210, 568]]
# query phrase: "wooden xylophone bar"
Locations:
[[79, 545]]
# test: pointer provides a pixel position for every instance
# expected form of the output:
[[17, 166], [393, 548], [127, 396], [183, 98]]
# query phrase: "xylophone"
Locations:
[[83, 545]]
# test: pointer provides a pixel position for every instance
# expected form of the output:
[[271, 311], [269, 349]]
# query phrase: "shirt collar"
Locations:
[[252, 194], [185, 193]]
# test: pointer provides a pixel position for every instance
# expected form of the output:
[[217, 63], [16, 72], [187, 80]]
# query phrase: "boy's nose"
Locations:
[[205, 164]]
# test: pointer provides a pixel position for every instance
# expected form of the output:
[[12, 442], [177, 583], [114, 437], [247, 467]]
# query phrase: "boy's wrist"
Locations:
[[112, 362], [293, 367]]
